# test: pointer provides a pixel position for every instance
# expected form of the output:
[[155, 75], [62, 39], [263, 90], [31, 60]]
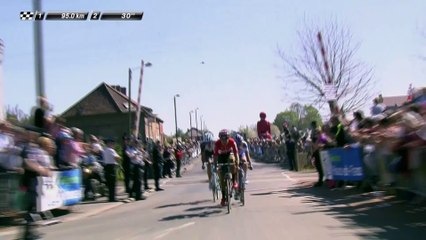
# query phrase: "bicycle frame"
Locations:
[[227, 175]]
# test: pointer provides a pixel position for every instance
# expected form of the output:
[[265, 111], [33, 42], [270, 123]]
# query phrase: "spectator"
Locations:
[[134, 153], [263, 127], [36, 155], [356, 122], [341, 137], [290, 143], [179, 157], [41, 114], [157, 159], [377, 108], [111, 158], [316, 137], [168, 162], [126, 162]]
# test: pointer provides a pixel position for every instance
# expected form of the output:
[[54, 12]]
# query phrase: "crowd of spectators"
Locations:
[[393, 140]]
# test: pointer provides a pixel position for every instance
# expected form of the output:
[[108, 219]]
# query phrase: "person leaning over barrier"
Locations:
[[37, 155]]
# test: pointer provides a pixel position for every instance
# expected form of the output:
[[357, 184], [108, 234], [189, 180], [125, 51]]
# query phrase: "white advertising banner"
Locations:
[[63, 188]]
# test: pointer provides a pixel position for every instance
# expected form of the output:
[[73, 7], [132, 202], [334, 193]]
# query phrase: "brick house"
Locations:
[[104, 112]]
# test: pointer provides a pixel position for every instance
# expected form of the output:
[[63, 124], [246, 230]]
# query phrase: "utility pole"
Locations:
[[38, 53]]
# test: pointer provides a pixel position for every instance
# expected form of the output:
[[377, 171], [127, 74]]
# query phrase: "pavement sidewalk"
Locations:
[[87, 208]]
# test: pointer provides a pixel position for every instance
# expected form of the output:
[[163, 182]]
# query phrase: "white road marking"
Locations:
[[288, 177], [165, 233]]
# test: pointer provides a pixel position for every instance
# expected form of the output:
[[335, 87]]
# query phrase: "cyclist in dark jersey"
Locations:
[[207, 148]]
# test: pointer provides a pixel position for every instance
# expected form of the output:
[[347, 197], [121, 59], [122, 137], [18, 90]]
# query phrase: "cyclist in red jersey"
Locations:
[[264, 127], [226, 149]]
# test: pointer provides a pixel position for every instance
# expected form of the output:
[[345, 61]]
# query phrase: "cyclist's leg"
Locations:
[[203, 161], [234, 170], [244, 165]]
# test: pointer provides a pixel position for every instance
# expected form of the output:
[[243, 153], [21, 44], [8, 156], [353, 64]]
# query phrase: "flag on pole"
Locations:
[[329, 89], [324, 57]]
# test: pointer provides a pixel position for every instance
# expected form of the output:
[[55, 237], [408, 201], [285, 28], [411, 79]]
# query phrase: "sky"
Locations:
[[237, 41]]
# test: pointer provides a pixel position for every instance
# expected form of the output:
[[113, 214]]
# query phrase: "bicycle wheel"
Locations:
[[229, 192], [217, 186], [213, 185], [242, 199]]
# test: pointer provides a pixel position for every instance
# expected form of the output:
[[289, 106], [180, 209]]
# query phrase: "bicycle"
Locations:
[[225, 168], [241, 184], [214, 182]]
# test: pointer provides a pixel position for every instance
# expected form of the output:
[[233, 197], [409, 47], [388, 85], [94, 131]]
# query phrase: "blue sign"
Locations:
[[70, 184], [63, 188], [343, 164]]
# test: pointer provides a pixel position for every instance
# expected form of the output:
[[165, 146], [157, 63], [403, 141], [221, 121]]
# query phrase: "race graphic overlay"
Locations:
[[95, 16], [125, 16], [39, 16], [27, 16], [69, 16]]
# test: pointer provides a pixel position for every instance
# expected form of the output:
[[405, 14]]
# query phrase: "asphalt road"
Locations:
[[279, 205]]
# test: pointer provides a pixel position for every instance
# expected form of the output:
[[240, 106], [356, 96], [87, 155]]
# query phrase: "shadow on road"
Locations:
[[387, 216], [269, 193], [202, 214], [94, 202], [183, 204], [202, 208]]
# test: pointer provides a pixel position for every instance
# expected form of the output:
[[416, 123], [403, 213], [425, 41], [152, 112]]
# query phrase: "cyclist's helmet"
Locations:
[[262, 115], [223, 134], [238, 138]]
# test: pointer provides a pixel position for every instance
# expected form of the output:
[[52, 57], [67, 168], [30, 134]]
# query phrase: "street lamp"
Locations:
[[201, 127], [190, 123], [148, 64], [174, 98], [196, 121]]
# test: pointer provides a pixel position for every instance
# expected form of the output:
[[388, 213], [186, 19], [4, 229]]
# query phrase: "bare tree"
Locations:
[[305, 72]]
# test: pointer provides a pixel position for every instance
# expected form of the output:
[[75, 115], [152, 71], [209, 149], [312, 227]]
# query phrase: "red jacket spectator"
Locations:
[[263, 127]]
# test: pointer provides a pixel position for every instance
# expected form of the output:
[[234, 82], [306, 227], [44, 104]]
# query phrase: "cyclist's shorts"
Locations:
[[223, 158], [206, 155]]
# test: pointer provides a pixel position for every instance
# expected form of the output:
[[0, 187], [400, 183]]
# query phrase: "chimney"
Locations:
[[120, 89], [123, 90]]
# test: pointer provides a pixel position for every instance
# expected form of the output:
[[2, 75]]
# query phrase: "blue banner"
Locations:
[[63, 188], [70, 184], [343, 164]]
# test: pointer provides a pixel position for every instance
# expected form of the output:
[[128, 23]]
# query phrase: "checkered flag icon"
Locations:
[[27, 16]]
